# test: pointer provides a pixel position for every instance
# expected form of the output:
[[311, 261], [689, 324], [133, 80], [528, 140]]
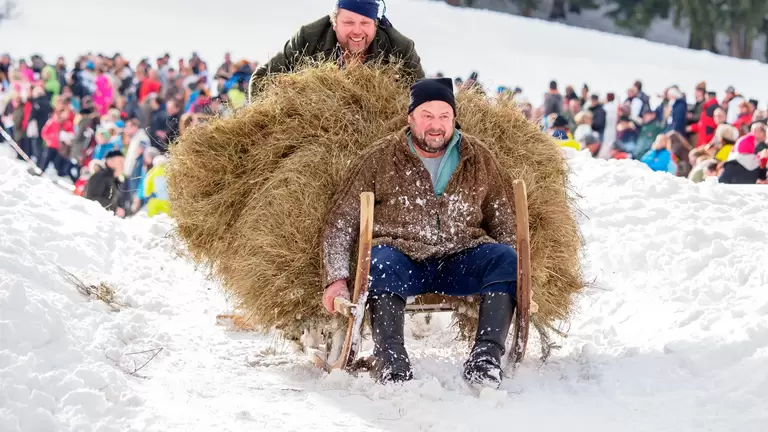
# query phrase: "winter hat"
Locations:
[[745, 144], [432, 89], [101, 130], [159, 160], [366, 8], [112, 154], [727, 134], [560, 121]]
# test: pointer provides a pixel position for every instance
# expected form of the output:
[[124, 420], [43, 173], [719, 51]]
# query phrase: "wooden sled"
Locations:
[[344, 348]]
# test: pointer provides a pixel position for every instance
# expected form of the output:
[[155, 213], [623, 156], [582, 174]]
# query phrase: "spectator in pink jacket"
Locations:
[[104, 94]]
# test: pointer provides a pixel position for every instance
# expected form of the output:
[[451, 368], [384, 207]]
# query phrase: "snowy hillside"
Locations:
[[673, 337], [504, 49], [661, 30]]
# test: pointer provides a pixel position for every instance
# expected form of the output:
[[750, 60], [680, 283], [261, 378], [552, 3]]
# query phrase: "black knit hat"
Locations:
[[432, 89], [113, 153]]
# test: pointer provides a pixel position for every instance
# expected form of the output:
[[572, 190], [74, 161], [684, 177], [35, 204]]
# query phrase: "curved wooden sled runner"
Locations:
[[344, 347]]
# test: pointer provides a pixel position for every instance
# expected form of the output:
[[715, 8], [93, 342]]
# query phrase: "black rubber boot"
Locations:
[[391, 362], [483, 367]]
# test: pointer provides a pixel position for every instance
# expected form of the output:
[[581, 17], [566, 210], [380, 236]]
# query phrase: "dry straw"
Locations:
[[250, 192]]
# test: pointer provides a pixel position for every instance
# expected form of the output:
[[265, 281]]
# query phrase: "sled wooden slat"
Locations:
[[436, 302], [431, 303], [523, 246], [348, 352]]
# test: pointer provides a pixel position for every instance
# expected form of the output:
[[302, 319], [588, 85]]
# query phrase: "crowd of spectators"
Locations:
[[106, 125], [703, 138]]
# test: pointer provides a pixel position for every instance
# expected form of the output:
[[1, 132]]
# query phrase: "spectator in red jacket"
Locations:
[[745, 117], [705, 128], [59, 128], [150, 84]]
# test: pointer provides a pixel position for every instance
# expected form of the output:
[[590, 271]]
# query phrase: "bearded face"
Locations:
[[432, 140], [432, 125]]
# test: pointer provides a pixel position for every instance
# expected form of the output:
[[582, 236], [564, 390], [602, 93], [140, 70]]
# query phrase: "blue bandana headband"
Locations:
[[366, 8]]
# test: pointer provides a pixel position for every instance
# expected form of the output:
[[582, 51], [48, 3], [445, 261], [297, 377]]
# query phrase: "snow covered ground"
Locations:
[[504, 49], [674, 336]]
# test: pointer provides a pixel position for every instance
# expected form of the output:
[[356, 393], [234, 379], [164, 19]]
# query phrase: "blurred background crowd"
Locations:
[[105, 124]]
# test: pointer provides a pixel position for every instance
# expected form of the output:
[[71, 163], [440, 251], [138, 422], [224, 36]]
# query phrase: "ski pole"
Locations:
[[20, 152]]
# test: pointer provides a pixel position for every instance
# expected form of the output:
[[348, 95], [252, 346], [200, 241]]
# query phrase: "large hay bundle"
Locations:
[[250, 192]]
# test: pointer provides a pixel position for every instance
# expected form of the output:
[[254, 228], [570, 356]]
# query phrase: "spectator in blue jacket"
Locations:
[[678, 118], [659, 157]]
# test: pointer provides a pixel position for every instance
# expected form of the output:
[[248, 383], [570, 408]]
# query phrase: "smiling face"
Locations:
[[431, 126], [354, 32]]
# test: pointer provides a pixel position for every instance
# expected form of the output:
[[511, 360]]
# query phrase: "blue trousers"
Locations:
[[484, 269]]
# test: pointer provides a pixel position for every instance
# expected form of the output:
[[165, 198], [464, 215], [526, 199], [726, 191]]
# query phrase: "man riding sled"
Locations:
[[351, 33], [444, 223]]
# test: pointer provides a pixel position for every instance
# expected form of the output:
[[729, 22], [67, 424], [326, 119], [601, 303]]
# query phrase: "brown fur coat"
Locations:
[[476, 208]]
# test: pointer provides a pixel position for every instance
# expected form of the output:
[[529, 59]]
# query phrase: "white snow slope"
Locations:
[[673, 338], [504, 49]]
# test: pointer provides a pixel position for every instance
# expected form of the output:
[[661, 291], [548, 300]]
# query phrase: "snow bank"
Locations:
[[672, 338], [64, 357], [504, 49]]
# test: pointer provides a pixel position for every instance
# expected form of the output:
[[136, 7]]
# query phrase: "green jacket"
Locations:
[[317, 40], [645, 138], [52, 84]]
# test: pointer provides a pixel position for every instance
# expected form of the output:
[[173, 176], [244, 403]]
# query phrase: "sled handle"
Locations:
[[348, 351], [343, 306], [523, 244]]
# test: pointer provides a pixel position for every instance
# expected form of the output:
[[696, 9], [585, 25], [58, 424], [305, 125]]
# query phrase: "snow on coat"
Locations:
[[476, 207]]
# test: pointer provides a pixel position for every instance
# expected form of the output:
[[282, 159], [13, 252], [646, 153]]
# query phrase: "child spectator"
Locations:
[[698, 158], [743, 165], [156, 188], [103, 143], [659, 158]]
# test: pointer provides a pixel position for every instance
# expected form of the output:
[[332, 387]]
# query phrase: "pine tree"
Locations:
[[741, 21], [702, 17], [636, 16]]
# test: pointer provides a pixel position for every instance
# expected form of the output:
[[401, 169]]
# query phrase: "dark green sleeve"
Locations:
[[282, 62], [413, 62]]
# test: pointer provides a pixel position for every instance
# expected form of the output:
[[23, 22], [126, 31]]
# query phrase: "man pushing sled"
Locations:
[[444, 224]]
